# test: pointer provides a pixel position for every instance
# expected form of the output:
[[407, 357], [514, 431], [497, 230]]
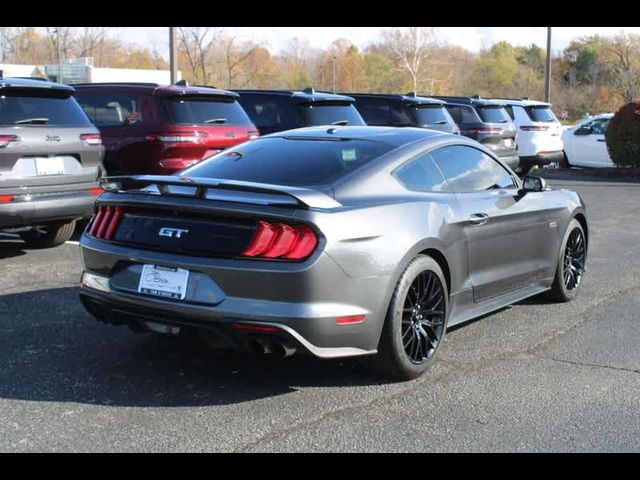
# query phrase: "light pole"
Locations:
[[173, 55], [335, 59], [547, 79], [60, 77]]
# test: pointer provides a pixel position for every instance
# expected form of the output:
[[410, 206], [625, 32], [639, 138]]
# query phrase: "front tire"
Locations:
[[49, 236], [564, 162], [415, 325], [571, 264]]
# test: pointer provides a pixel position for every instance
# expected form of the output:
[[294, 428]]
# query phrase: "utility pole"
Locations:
[[173, 55], [60, 76], [335, 59], [547, 79]]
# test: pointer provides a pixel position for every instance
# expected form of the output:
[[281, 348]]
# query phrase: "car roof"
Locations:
[[35, 83], [391, 135], [522, 102], [475, 101], [308, 95], [407, 98], [161, 90]]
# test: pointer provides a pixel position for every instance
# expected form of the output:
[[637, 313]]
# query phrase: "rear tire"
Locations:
[[49, 236], [571, 264], [416, 321], [564, 161]]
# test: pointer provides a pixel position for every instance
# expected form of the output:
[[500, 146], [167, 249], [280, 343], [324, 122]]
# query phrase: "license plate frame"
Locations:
[[49, 166], [163, 282]]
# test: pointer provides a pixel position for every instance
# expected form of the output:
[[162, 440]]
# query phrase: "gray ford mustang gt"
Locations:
[[331, 241]]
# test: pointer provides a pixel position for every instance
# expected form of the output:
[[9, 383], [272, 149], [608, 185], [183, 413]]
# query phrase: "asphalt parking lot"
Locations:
[[532, 377]]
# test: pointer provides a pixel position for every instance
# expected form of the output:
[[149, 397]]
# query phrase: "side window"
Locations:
[[422, 175], [599, 127], [467, 169], [107, 110], [509, 110]]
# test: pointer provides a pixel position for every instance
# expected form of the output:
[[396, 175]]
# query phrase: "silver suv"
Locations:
[[50, 161]]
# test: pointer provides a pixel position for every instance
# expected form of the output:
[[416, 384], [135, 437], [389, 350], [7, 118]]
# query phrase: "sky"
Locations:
[[471, 38]]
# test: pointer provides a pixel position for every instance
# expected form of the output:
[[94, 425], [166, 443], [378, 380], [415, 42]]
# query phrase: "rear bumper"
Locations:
[[302, 300], [29, 210], [541, 159], [513, 161]]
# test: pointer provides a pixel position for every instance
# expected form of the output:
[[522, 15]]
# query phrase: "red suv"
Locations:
[[148, 128]]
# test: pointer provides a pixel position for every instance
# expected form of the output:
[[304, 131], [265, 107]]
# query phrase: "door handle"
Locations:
[[479, 218]]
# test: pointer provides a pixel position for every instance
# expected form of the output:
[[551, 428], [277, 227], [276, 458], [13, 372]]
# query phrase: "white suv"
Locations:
[[538, 133]]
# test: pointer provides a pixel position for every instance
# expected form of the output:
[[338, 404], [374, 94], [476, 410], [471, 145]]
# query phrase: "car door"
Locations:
[[507, 233], [589, 145]]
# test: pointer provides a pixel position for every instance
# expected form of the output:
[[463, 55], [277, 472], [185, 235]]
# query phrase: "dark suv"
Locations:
[[278, 110], [487, 122], [410, 110], [50, 161], [148, 128]]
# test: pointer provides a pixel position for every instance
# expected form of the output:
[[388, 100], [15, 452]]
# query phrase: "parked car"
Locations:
[[487, 122], [278, 110], [538, 133], [50, 161], [149, 128], [374, 244], [410, 110], [585, 145]]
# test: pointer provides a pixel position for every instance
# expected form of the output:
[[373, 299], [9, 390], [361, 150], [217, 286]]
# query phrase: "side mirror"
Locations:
[[533, 184], [584, 131]]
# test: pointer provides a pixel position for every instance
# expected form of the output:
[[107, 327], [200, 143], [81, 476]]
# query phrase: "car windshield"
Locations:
[[493, 115], [51, 108], [432, 116], [331, 114], [541, 114], [293, 161], [205, 111]]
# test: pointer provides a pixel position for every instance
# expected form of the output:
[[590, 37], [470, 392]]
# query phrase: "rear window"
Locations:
[[328, 114], [33, 107], [204, 111], [271, 113], [541, 114], [493, 115], [432, 116], [462, 114], [384, 113], [110, 109], [290, 161]]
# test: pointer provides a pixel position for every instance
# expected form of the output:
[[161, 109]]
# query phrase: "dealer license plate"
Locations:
[[164, 282]]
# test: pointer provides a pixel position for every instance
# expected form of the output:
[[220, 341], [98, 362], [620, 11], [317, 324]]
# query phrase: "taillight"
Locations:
[[96, 191], [279, 240], [486, 131], [6, 198], [252, 327], [92, 139], [5, 140], [350, 320], [193, 137], [105, 223], [534, 128]]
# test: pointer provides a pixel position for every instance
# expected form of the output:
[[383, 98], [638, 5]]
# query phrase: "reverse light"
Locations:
[[486, 131], [5, 140], [279, 240], [194, 137], [92, 139]]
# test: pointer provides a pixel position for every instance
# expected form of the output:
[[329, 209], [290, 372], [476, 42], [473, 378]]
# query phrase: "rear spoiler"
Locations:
[[203, 186]]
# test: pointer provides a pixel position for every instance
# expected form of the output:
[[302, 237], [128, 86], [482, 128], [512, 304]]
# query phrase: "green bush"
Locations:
[[623, 136]]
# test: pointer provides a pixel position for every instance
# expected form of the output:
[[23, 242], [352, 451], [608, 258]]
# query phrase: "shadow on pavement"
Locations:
[[52, 351], [11, 247]]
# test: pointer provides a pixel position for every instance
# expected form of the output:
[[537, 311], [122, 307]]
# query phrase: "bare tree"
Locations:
[[197, 43], [627, 65], [235, 55], [64, 35], [89, 39], [411, 46]]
